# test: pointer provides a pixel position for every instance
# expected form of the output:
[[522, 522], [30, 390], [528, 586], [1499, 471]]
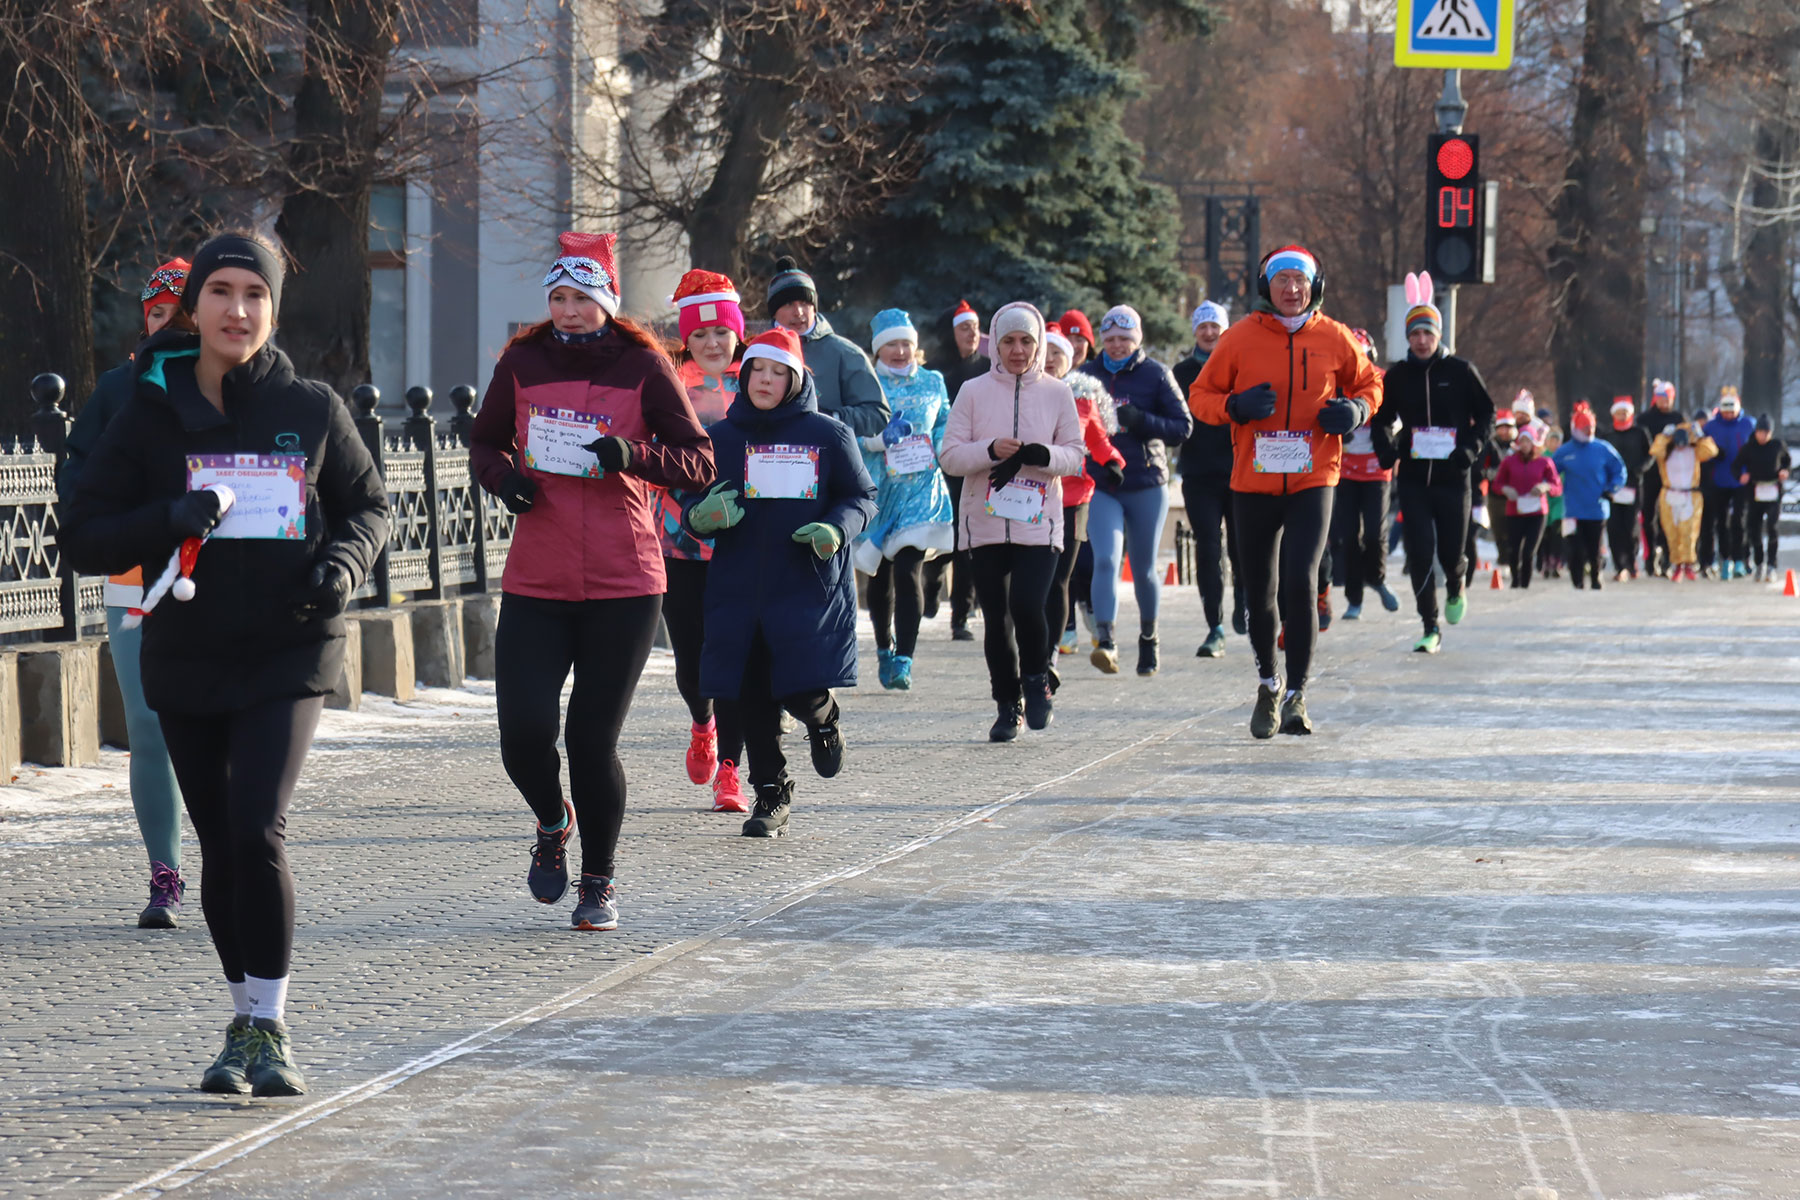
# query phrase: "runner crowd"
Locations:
[[732, 487]]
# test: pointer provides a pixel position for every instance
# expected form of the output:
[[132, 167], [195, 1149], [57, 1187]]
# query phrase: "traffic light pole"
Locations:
[[1451, 109]]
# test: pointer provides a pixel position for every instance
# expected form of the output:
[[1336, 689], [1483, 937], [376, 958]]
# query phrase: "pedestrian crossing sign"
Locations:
[[1454, 33]]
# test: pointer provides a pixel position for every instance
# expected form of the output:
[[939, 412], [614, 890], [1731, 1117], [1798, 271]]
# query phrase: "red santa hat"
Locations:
[[780, 345], [708, 298], [1583, 417], [586, 263], [964, 312], [1054, 336]]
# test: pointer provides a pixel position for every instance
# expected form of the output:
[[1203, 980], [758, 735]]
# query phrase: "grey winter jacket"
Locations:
[[848, 389]]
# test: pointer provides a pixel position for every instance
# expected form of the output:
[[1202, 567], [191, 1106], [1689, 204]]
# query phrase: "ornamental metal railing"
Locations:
[[448, 537]]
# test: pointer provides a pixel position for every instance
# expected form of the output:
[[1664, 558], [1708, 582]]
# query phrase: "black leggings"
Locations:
[[1281, 540], [1208, 504], [962, 575], [1622, 536], [1359, 521], [762, 713], [1765, 516], [1057, 608], [1436, 524], [1722, 524], [896, 597], [1524, 533], [606, 642], [1584, 550], [684, 615], [237, 773], [1013, 583]]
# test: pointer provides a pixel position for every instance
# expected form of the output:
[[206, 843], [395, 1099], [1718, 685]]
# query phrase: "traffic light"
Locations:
[[1454, 241]]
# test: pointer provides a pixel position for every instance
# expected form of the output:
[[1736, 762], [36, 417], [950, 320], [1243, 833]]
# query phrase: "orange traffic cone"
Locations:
[[1170, 579], [1789, 589], [1125, 573], [1494, 583]]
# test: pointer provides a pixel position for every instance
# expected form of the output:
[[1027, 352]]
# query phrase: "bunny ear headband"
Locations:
[[1421, 312]]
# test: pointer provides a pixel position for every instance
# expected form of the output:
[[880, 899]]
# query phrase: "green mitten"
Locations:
[[826, 539], [715, 511]]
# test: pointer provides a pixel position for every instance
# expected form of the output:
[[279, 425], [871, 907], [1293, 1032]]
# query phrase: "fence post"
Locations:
[[462, 426], [421, 431], [365, 399], [50, 426]]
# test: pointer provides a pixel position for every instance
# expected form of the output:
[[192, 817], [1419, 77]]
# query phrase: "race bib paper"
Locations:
[[1767, 491], [910, 455], [1360, 441], [1433, 441], [270, 490], [555, 437], [1019, 500], [1288, 452], [781, 472], [1528, 504], [1568, 526], [1625, 495]]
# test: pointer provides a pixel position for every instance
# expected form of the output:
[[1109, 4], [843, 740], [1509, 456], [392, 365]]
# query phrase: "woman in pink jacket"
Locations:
[[1013, 434], [584, 420], [1528, 479]]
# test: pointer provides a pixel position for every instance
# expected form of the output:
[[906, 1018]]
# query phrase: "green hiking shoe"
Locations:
[[1454, 608], [229, 1074], [272, 1070], [1262, 718], [1429, 643]]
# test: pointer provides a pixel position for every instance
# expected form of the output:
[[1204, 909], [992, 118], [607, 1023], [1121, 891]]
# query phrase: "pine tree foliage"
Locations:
[[1030, 188]]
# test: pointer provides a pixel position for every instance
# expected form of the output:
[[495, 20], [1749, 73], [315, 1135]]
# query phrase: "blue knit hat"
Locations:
[[891, 325]]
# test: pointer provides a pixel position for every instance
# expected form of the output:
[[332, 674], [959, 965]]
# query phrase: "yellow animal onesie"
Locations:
[[1681, 502]]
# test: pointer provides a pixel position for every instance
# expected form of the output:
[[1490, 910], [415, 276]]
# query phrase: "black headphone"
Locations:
[[1318, 283]]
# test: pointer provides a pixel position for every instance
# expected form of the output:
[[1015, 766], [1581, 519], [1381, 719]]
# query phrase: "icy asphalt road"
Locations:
[[1519, 918]]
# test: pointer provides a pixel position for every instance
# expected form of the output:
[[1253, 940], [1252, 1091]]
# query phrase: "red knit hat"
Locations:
[[1075, 322], [964, 312], [708, 298], [586, 263], [165, 285], [1583, 417]]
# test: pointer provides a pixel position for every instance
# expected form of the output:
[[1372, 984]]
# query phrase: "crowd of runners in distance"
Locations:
[[732, 487]]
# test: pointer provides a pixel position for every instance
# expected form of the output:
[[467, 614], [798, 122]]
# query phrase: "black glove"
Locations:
[[1340, 416], [517, 492], [196, 514], [1114, 472], [1004, 474], [327, 593], [1130, 416], [614, 453], [1034, 454], [1254, 404]]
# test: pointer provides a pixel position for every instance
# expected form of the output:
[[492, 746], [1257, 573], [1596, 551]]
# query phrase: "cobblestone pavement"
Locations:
[[1518, 916]]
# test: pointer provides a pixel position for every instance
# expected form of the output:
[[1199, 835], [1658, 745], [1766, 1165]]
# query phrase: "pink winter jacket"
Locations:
[[1033, 407]]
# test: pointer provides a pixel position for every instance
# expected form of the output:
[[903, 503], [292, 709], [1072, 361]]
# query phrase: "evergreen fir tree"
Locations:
[[1030, 188]]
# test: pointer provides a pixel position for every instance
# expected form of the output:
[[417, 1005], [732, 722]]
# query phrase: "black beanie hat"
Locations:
[[789, 284], [1765, 424], [234, 250]]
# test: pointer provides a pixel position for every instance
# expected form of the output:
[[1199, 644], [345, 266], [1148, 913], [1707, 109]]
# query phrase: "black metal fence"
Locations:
[[449, 537]]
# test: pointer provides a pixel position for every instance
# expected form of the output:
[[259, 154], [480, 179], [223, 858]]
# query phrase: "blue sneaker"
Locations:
[[884, 667], [1389, 601], [1353, 612], [596, 911], [548, 877], [902, 673]]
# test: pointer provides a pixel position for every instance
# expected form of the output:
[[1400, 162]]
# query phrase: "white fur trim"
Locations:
[[964, 318], [775, 354], [1057, 339], [709, 298], [895, 333]]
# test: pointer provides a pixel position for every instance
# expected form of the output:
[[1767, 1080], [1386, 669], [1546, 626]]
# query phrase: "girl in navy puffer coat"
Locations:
[[791, 495], [1130, 515]]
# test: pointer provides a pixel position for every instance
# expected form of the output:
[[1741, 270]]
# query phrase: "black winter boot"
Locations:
[[1006, 727], [1147, 658], [770, 816], [1038, 707]]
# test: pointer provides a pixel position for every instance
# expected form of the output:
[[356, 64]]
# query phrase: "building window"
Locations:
[[387, 294], [439, 23]]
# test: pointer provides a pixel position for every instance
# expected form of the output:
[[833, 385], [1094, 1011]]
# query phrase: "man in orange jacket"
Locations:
[[1292, 384]]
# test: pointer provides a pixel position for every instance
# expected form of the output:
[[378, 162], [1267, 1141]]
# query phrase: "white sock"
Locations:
[[1274, 685], [240, 997], [268, 997]]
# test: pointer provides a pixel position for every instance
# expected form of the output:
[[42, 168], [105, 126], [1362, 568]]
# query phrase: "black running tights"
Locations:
[[1013, 584], [1359, 514], [762, 713], [237, 773], [1436, 534], [1283, 538], [1524, 533], [1056, 608], [1584, 551], [605, 642], [684, 615], [896, 598], [1208, 504]]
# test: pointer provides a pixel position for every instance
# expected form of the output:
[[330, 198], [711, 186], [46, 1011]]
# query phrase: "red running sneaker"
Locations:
[[728, 793], [703, 752]]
